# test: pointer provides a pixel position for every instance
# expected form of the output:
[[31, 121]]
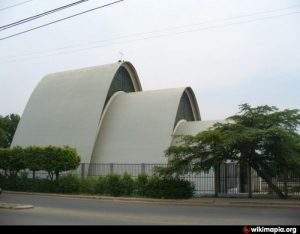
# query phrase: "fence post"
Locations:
[[285, 185], [143, 168], [226, 177], [249, 182], [217, 180], [82, 170], [111, 168], [243, 176]]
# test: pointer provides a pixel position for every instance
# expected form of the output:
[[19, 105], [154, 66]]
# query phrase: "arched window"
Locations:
[[185, 110], [121, 82]]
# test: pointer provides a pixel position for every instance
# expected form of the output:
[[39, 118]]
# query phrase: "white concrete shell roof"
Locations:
[[137, 127], [66, 108], [191, 128]]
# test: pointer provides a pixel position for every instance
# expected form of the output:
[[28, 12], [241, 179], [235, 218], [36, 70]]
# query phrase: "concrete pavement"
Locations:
[[72, 210], [207, 201]]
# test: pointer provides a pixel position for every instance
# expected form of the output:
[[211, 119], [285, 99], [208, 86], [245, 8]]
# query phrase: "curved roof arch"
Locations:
[[191, 128], [66, 107], [137, 127]]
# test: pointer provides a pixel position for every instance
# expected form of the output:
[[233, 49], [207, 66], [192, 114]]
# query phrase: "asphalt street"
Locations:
[[50, 210]]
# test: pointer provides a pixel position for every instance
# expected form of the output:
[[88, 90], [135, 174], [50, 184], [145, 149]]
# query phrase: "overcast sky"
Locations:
[[229, 51]]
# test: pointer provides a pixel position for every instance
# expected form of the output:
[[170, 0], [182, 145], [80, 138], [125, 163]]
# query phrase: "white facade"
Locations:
[[65, 108], [137, 127], [103, 113]]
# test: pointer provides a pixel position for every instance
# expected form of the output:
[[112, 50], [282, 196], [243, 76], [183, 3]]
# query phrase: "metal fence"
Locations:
[[229, 180], [203, 182]]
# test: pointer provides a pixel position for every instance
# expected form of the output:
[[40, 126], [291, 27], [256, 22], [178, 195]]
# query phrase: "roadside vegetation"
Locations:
[[50, 159], [263, 138], [109, 185], [19, 167]]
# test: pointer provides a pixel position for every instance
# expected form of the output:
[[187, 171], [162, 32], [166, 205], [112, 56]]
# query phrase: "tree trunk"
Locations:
[[249, 175], [243, 177], [217, 180], [56, 175], [50, 175], [268, 179]]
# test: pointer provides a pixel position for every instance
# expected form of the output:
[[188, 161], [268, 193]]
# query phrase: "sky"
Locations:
[[229, 52]]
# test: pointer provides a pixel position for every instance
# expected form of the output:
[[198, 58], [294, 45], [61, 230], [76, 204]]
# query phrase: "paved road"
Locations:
[[62, 210]]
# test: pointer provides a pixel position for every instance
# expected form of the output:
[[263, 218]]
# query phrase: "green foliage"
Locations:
[[50, 158], [68, 184], [262, 137], [127, 184], [58, 159], [40, 185], [22, 183], [8, 126], [35, 158], [168, 187], [112, 185], [88, 185], [296, 189], [12, 160], [163, 187], [101, 185], [115, 185], [142, 185]]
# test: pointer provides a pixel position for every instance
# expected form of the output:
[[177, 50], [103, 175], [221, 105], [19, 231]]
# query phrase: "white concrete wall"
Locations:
[[137, 127], [65, 109]]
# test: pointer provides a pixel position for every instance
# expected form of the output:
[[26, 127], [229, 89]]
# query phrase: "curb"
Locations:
[[186, 202], [13, 206]]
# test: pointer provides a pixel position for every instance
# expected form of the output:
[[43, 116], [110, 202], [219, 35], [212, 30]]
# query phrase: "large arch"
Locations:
[[137, 127], [66, 107]]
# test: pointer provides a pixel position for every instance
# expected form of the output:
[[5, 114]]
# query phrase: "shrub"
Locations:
[[168, 187], [68, 184], [42, 186], [27, 184], [113, 185], [12, 183], [100, 185], [88, 185], [296, 189], [141, 185], [127, 185]]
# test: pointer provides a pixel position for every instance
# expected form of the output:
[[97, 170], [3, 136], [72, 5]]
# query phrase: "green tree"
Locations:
[[59, 159], [34, 158], [262, 137], [8, 126], [12, 160], [52, 159]]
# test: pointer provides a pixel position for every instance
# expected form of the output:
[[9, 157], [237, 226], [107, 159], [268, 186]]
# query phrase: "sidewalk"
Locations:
[[201, 201]]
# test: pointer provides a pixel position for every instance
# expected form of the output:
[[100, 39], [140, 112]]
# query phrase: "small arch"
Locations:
[[188, 107], [133, 75]]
